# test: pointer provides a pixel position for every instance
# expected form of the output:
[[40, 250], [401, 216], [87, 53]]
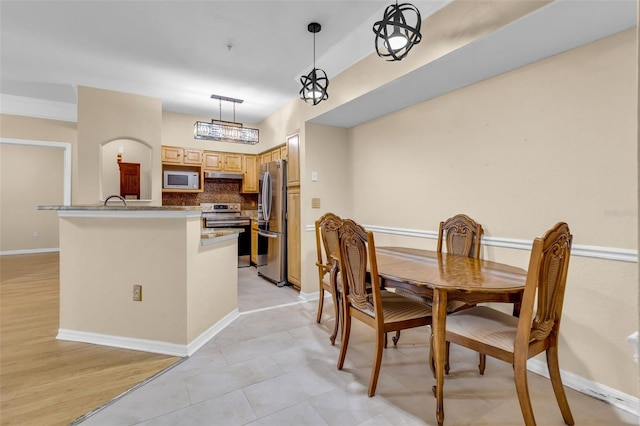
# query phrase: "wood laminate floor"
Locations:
[[45, 381]]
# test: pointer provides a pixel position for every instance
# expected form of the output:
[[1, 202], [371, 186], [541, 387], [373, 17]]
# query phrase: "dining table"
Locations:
[[443, 278]]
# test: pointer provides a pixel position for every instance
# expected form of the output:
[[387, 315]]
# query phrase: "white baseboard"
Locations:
[[154, 346], [599, 391], [29, 251]]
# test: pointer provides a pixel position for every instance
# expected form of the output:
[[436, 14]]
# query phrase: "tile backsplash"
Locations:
[[215, 191]]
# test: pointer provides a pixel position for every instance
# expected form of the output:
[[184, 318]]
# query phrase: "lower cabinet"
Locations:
[[254, 242], [294, 269]]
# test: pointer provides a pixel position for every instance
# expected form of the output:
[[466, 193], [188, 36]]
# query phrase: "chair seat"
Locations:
[[485, 325], [452, 306], [397, 308]]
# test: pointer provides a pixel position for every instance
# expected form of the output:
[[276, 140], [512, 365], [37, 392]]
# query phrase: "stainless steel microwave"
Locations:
[[179, 179]]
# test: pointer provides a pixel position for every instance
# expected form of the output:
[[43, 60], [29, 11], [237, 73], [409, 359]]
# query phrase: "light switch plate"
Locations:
[[314, 176]]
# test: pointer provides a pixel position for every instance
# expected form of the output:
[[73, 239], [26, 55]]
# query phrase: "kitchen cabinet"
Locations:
[[265, 157], [254, 241], [293, 164], [294, 269], [275, 154], [250, 180], [222, 162], [283, 152], [178, 155], [129, 180]]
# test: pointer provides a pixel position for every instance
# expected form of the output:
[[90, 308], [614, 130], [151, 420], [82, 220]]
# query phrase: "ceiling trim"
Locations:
[[38, 108]]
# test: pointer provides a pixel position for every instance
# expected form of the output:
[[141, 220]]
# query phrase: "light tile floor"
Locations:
[[277, 367]]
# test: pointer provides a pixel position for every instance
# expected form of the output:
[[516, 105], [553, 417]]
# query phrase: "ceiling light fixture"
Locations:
[[315, 84], [225, 131], [398, 31]]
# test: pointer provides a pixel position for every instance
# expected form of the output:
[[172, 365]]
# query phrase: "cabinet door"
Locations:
[[254, 242], [171, 155], [275, 154], [192, 156], [250, 181], [283, 152], [212, 161], [233, 163], [265, 157], [293, 166], [294, 269]]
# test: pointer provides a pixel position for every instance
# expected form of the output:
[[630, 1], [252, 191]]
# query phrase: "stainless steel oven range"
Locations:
[[229, 215]]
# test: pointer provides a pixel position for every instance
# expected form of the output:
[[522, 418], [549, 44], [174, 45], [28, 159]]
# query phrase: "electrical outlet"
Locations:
[[35, 234], [315, 203], [137, 293]]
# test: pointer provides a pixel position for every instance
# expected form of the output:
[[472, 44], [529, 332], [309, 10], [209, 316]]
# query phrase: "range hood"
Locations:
[[223, 175]]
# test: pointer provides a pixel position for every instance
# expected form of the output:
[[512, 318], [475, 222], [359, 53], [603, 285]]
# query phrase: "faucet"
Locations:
[[115, 196]]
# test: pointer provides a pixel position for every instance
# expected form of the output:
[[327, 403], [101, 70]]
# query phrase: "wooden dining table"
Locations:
[[443, 278]]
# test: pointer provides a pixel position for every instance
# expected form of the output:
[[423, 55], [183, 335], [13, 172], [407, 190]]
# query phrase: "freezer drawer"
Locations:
[[272, 264]]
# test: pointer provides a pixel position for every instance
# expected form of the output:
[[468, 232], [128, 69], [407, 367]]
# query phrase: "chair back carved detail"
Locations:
[[462, 236]]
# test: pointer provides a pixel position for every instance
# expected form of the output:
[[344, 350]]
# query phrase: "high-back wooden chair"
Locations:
[[461, 235], [380, 309], [515, 340], [327, 248]]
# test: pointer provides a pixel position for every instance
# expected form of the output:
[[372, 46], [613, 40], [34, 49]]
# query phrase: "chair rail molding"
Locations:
[[608, 253]]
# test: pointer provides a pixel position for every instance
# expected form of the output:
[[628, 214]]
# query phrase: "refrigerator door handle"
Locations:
[[266, 196], [262, 234]]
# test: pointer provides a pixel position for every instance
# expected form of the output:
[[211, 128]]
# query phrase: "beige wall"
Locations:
[[40, 181], [552, 141], [186, 288], [104, 116], [30, 176]]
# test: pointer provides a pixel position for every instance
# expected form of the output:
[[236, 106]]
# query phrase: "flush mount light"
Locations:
[[225, 131], [398, 31], [315, 84]]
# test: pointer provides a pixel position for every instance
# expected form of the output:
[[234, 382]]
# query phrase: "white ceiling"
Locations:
[[183, 51]]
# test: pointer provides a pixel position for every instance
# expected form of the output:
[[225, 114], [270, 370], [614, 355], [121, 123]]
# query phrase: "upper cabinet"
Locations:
[[223, 162], [177, 155], [293, 165], [265, 157], [250, 180]]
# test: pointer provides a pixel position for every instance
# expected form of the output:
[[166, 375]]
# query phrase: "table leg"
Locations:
[[439, 334]]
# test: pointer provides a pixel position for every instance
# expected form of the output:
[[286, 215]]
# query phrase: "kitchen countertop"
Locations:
[[100, 207]]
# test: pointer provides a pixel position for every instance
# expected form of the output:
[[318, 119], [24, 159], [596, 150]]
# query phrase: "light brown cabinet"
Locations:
[[254, 242], [250, 180], [177, 155], [222, 162], [293, 160], [294, 269], [265, 157]]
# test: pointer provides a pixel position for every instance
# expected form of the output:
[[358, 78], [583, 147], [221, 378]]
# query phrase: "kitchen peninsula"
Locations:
[[188, 280]]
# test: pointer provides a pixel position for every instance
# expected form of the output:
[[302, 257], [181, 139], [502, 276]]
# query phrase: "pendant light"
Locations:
[[315, 84], [398, 31], [225, 131]]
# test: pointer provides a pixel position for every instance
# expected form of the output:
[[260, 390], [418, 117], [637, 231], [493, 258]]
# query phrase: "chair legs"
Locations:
[[346, 331], [320, 305], [522, 388], [556, 381], [377, 361], [338, 313]]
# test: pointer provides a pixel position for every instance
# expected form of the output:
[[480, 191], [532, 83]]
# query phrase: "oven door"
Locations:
[[244, 238]]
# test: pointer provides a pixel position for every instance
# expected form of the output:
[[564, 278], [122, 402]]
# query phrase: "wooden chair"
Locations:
[[462, 237], [515, 340], [327, 240], [382, 310]]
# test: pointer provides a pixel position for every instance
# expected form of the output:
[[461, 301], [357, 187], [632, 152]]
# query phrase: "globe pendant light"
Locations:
[[398, 31], [315, 84]]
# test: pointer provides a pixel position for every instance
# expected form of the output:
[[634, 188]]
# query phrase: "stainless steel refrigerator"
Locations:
[[272, 228]]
